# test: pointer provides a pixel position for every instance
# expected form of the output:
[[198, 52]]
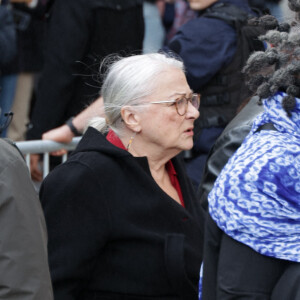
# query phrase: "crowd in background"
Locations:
[[20, 74]]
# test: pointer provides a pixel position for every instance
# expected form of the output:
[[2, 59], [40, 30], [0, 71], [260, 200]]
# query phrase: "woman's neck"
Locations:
[[157, 160]]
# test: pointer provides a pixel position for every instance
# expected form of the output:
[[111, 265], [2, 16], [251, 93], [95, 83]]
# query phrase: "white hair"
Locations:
[[129, 80]]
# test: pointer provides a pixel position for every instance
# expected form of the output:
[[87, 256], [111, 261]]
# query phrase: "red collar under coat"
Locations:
[[115, 140]]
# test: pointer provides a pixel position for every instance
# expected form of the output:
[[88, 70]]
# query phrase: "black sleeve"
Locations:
[[78, 225]]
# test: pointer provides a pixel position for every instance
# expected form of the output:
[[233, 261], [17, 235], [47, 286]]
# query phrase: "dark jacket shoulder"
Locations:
[[227, 143]]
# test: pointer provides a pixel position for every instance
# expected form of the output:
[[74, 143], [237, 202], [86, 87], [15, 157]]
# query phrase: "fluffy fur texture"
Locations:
[[278, 68], [294, 5]]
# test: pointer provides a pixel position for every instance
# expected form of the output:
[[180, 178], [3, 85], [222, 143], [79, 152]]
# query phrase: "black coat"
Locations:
[[80, 34], [114, 234]]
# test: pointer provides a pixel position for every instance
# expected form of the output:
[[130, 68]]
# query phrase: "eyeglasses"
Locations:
[[181, 104]]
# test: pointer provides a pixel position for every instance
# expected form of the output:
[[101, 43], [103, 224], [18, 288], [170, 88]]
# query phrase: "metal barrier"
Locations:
[[45, 147]]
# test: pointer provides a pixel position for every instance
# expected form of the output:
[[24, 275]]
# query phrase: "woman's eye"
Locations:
[[180, 101]]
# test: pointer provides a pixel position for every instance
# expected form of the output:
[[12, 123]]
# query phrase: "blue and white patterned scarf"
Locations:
[[256, 197]]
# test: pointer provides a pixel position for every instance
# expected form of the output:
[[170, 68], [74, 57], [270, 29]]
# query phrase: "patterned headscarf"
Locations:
[[256, 197]]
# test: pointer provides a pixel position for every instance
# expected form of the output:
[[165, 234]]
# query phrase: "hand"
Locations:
[[62, 134], [35, 170]]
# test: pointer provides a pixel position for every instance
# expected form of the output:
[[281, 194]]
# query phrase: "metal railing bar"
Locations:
[[27, 159], [45, 164], [45, 147], [42, 146], [64, 157]]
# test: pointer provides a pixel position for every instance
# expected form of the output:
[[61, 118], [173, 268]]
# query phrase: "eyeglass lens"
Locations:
[[195, 101], [183, 103]]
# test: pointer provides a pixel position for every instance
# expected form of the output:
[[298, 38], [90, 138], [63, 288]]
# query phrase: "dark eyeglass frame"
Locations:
[[190, 99]]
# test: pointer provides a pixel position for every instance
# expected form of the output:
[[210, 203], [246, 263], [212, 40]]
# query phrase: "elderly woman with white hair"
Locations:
[[122, 219]]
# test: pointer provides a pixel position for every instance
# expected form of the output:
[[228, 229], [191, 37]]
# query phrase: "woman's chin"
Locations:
[[188, 146]]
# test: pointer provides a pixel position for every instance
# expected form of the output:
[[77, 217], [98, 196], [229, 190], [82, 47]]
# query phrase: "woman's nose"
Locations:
[[192, 111]]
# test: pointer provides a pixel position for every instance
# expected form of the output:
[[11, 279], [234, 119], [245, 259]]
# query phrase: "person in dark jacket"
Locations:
[[80, 34], [122, 218], [23, 236], [209, 48], [30, 22]]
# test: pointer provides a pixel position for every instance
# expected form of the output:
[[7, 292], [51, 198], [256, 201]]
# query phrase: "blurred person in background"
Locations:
[[212, 49], [17, 78], [80, 34], [30, 22]]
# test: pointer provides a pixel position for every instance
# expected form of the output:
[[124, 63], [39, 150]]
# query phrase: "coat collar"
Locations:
[[94, 141]]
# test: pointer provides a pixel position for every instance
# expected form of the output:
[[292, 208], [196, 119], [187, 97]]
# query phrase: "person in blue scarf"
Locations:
[[253, 227]]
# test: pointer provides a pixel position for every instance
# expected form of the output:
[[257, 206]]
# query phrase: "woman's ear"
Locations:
[[131, 118]]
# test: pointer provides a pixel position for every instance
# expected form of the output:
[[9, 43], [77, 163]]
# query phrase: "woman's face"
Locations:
[[201, 4], [161, 126]]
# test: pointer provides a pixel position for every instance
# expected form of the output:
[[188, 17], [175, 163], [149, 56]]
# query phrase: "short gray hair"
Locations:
[[129, 80]]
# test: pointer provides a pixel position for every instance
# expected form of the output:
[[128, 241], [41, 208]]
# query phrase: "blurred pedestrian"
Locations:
[[80, 34], [30, 22]]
